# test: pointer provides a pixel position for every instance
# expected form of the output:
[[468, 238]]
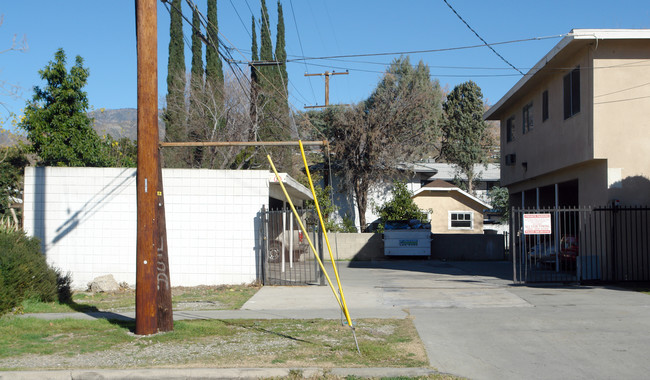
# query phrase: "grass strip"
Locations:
[[30, 343], [225, 297]]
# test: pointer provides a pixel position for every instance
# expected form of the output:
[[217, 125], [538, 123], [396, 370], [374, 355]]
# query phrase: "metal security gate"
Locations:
[[287, 258], [601, 244]]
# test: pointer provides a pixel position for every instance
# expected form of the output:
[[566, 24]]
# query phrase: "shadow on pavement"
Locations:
[[498, 269]]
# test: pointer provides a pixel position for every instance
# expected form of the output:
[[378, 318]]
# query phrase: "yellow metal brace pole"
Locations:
[[304, 230], [327, 241]]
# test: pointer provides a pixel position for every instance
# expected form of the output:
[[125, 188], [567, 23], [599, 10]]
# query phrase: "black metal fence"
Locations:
[[602, 244], [287, 258]]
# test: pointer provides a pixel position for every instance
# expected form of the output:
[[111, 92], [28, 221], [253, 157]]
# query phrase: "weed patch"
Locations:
[[30, 343]]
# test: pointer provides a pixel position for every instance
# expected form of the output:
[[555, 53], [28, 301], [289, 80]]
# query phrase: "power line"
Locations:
[[240, 19], [481, 38], [300, 43], [431, 75], [227, 56], [247, 62], [425, 50]]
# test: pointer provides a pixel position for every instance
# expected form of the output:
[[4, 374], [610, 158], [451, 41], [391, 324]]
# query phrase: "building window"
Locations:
[[510, 129], [545, 105], [572, 93], [527, 116], [461, 220]]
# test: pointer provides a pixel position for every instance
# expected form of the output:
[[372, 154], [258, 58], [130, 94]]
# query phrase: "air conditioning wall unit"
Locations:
[[511, 159]]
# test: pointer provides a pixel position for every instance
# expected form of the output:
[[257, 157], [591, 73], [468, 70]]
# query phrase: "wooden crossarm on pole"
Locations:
[[243, 143]]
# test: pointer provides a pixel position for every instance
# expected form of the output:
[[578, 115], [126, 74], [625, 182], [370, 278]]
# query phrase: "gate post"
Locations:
[[264, 245], [320, 251], [513, 246]]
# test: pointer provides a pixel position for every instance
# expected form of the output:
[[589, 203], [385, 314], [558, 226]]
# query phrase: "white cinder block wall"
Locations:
[[86, 220]]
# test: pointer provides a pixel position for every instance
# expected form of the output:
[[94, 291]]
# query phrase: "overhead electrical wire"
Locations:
[[274, 88], [248, 62], [227, 56], [431, 75], [286, 90], [240, 19], [481, 38], [240, 75], [301, 48], [424, 50]]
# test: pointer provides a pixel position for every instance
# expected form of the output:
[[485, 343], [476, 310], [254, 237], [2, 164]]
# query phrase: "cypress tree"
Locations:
[[196, 84], [213, 66], [273, 118], [266, 79], [197, 52], [281, 56], [266, 53], [174, 114], [255, 85], [254, 55]]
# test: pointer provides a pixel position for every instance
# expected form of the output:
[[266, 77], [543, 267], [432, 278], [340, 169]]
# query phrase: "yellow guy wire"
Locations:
[[327, 241], [304, 230]]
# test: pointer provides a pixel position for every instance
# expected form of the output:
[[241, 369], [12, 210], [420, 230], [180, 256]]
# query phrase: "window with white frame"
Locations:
[[461, 220]]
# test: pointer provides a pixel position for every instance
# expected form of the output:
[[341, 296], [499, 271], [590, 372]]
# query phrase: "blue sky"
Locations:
[[103, 33]]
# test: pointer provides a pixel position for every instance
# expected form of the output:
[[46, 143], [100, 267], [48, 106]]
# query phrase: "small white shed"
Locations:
[[86, 221]]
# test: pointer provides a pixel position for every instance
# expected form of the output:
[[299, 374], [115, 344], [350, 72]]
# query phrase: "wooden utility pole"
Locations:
[[151, 234], [327, 85]]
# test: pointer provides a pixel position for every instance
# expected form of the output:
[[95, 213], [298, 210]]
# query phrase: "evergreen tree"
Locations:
[[254, 48], [464, 130], [266, 72], [266, 51], [265, 78], [281, 57], [272, 108], [197, 51], [174, 114], [56, 119], [196, 91], [213, 66], [255, 85], [397, 124]]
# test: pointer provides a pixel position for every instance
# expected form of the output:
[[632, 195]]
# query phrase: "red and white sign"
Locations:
[[537, 224]]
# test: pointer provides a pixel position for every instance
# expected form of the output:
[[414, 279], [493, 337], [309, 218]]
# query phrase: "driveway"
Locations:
[[476, 324]]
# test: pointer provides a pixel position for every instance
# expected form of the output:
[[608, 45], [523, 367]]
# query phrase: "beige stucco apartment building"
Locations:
[[575, 130]]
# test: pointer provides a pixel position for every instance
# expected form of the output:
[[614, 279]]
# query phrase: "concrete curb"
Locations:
[[209, 373]]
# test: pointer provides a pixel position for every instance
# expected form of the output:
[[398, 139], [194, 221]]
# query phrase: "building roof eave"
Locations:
[[450, 189], [295, 189], [577, 37]]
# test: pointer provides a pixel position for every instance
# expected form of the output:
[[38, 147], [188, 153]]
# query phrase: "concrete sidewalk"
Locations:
[[475, 323], [209, 373]]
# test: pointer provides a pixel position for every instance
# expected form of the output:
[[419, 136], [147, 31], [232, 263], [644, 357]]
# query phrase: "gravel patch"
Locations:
[[144, 353]]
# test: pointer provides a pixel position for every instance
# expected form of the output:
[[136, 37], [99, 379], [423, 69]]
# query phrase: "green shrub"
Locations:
[[400, 207], [24, 272], [348, 225]]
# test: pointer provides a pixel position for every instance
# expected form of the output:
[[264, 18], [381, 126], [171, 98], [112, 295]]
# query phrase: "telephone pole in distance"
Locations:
[[327, 75]]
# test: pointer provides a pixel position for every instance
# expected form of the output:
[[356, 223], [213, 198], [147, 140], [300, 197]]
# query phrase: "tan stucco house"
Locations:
[[575, 130], [452, 210]]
